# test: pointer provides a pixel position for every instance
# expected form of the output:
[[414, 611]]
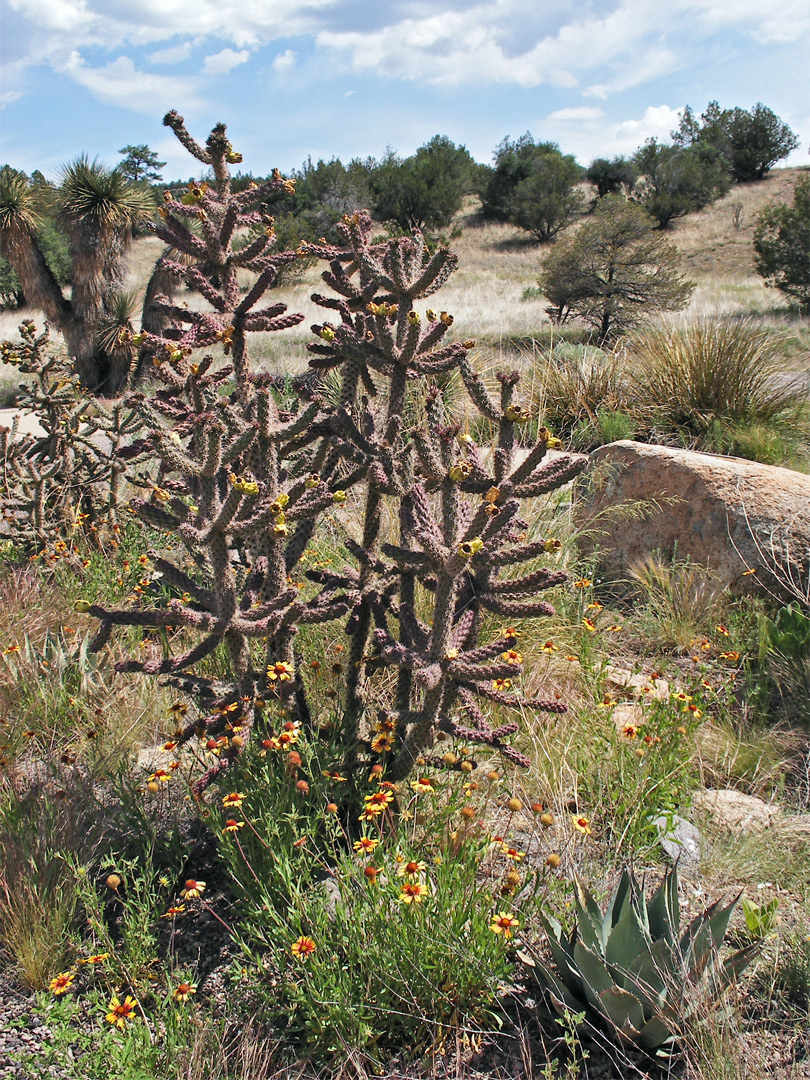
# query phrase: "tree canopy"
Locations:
[[782, 245], [533, 186], [750, 142], [615, 272], [140, 164]]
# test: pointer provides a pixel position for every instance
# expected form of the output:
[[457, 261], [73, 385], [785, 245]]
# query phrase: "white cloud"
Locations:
[[222, 62], [175, 54], [284, 61], [583, 112], [9, 97], [121, 83], [656, 123]]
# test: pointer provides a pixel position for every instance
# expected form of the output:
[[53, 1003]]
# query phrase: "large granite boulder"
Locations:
[[727, 514]]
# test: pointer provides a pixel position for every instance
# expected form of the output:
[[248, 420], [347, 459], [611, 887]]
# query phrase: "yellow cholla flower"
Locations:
[[468, 548], [460, 471]]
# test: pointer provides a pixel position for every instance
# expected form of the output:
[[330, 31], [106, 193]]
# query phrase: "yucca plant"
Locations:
[[98, 208], [633, 968]]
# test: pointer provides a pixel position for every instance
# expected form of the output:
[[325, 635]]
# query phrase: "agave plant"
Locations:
[[633, 967]]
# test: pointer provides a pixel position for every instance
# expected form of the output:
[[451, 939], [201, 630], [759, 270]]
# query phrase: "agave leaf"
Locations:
[[616, 904], [561, 953], [561, 997], [660, 909], [590, 920], [626, 940], [654, 1035], [593, 969], [624, 1011], [649, 976], [590, 934], [736, 964], [714, 920]]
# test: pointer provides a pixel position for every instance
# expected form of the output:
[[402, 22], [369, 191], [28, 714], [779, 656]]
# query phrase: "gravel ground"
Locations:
[[22, 1033]]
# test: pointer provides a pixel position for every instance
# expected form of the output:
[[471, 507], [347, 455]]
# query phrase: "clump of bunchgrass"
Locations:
[[689, 382]]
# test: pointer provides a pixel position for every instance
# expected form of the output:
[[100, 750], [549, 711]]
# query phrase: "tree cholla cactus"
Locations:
[[246, 484], [69, 478], [634, 967]]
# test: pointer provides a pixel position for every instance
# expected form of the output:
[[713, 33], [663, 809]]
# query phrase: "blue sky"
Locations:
[[347, 78]]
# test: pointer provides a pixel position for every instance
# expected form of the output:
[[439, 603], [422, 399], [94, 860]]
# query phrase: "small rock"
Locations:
[[627, 713], [735, 811], [680, 839], [655, 690]]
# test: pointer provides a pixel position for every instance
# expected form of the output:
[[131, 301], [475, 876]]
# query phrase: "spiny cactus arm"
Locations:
[[176, 122], [259, 288], [251, 252], [515, 609], [445, 359], [514, 555], [177, 578], [552, 475], [405, 559], [439, 268], [475, 388], [174, 664], [530, 584], [463, 671], [324, 609], [155, 515]]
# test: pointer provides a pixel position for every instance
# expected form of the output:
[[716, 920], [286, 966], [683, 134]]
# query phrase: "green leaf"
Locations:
[[650, 976], [556, 989], [660, 909], [616, 904], [592, 968], [654, 1035], [626, 940], [623, 1010], [590, 920]]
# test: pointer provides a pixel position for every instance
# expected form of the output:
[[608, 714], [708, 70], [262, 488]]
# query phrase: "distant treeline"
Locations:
[[530, 184]]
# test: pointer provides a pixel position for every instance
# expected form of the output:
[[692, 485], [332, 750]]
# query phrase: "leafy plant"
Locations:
[[760, 919], [634, 967], [614, 272], [781, 242]]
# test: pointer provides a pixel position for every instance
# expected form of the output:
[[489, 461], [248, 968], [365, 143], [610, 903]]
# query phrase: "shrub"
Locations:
[[616, 176], [676, 181], [533, 186], [749, 142], [781, 243], [424, 191]]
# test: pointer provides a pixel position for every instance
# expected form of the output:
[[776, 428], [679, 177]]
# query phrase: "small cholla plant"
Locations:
[[634, 967], [66, 481], [244, 485]]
